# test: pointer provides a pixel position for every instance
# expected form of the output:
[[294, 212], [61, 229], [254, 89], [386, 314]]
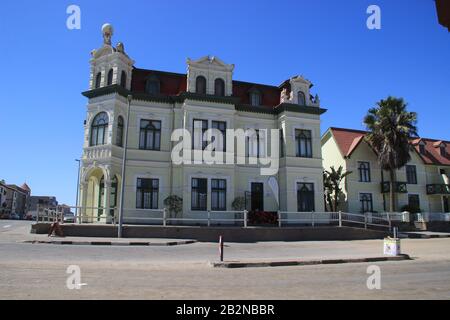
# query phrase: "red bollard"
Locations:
[[221, 248]]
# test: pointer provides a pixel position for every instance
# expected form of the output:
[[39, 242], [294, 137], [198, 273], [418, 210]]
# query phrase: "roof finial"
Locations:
[[107, 31]]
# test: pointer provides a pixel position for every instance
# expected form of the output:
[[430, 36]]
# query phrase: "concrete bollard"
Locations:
[[221, 248]]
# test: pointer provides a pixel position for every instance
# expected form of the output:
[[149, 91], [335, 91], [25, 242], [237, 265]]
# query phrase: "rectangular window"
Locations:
[[256, 144], [411, 174], [305, 197], [150, 135], [366, 202], [199, 194], [252, 145], [222, 127], [147, 193], [303, 143], [198, 141], [364, 171], [218, 194], [414, 201]]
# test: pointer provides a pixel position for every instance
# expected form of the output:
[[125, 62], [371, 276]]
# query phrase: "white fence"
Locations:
[[96, 215], [432, 216], [340, 219]]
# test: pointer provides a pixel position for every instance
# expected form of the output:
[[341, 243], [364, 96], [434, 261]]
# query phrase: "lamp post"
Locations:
[[78, 188], [124, 159]]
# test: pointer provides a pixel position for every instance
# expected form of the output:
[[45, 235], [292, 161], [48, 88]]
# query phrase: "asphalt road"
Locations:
[[181, 272]]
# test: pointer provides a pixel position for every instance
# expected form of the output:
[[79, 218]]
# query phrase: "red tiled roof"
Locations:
[[170, 83], [25, 187], [433, 153], [176, 83], [348, 139], [270, 94]]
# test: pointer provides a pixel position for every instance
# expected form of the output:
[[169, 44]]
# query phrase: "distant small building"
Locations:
[[3, 203], [443, 10], [48, 202], [16, 199]]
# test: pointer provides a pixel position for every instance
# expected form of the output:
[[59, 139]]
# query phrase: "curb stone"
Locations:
[[110, 243], [426, 236], [304, 263]]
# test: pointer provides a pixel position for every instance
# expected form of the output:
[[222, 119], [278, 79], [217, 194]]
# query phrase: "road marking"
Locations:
[[7, 226]]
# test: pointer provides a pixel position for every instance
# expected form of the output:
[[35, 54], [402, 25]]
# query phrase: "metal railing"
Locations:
[[99, 215], [340, 219], [432, 217]]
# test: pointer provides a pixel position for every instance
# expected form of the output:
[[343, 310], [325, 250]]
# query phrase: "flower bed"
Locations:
[[263, 218]]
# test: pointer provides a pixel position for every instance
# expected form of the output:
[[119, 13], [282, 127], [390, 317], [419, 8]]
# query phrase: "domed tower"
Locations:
[[110, 65], [110, 80]]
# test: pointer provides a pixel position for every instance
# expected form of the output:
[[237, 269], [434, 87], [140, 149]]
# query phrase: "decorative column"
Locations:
[[83, 201], [107, 204]]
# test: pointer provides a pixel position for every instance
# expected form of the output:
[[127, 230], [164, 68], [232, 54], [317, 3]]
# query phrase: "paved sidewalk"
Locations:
[[289, 263], [97, 241]]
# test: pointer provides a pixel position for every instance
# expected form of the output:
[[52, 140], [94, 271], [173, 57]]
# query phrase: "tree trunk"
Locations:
[[330, 202], [336, 199], [392, 190]]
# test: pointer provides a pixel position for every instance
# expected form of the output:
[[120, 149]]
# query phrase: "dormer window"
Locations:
[[219, 87], [255, 98], [200, 85], [98, 80], [123, 79], [443, 151], [110, 77], [422, 148], [301, 98], [152, 85]]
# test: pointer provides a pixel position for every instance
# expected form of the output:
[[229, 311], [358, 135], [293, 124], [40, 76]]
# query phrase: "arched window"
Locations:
[[119, 136], [123, 79], [219, 87], [152, 86], [99, 128], [301, 98], [200, 85], [110, 77], [255, 98], [98, 80]]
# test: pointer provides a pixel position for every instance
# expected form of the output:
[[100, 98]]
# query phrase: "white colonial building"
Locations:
[[206, 97]]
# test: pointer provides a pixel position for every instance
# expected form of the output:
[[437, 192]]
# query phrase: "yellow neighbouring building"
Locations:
[[423, 182]]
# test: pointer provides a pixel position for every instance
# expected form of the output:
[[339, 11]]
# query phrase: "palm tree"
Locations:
[[390, 128], [332, 182], [327, 191]]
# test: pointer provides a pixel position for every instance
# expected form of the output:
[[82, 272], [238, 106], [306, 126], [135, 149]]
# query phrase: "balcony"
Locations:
[[438, 188], [97, 152], [400, 187]]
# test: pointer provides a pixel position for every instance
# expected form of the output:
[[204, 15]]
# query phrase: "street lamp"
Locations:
[[78, 188], [124, 159]]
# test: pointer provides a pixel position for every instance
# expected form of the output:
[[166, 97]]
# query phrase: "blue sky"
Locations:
[[45, 66]]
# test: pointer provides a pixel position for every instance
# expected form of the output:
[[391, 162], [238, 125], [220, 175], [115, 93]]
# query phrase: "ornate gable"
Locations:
[[211, 68]]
